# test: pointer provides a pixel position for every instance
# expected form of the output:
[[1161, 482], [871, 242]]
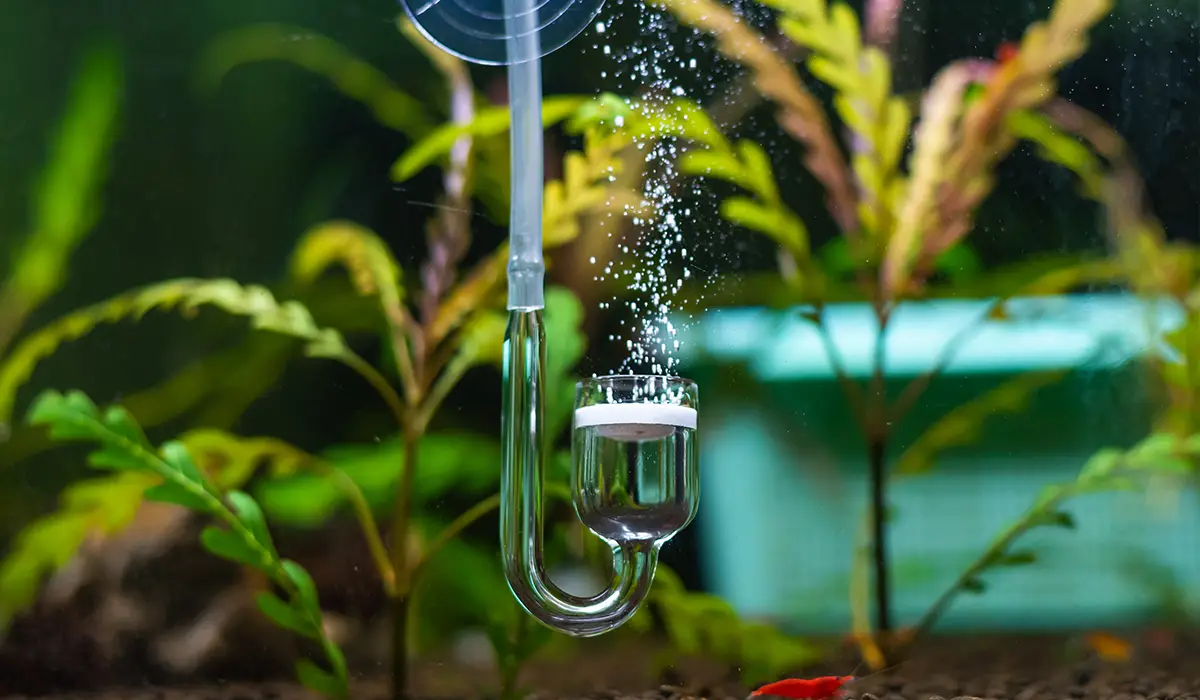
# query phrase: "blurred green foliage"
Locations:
[[706, 626], [66, 200], [245, 539]]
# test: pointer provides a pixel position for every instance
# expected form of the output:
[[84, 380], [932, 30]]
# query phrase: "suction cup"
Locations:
[[480, 30]]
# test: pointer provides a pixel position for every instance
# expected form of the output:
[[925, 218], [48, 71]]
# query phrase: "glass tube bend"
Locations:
[[521, 503]]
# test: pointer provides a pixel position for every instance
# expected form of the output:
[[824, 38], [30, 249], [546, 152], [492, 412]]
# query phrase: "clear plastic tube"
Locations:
[[526, 267]]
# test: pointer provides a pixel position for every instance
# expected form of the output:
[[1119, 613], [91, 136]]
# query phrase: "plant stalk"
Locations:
[[400, 556], [370, 531], [400, 611], [998, 547], [453, 530], [876, 449], [377, 382], [878, 431]]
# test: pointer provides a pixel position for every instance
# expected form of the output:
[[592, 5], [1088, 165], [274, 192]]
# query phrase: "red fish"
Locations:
[[823, 688], [1007, 51]]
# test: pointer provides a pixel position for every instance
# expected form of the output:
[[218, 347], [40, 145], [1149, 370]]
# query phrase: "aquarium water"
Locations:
[[631, 467]]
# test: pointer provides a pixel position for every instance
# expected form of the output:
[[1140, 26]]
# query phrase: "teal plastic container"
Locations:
[[784, 474]]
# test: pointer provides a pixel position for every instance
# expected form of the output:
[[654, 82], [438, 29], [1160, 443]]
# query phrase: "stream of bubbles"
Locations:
[[652, 259]]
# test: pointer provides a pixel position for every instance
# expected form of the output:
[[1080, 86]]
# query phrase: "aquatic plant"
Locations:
[[516, 636], [245, 539], [1150, 266], [434, 337], [706, 626], [1109, 470], [65, 206], [903, 199], [65, 203]]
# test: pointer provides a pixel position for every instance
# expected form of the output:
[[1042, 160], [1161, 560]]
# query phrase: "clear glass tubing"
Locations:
[[634, 478]]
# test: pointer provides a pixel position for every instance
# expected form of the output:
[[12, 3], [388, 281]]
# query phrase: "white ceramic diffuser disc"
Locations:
[[635, 421]]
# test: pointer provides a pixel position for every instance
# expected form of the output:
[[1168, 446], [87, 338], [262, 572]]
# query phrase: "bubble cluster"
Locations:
[[651, 260]]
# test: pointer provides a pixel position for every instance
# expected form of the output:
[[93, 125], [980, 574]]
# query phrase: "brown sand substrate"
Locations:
[[1016, 668]]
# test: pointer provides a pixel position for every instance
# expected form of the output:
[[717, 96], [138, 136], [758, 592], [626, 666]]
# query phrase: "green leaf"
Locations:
[[66, 198], [42, 548], [227, 545], [337, 660], [960, 263], [716, 164], [70, 417], [757, 167], [836, 258], [605, 111], [1102, 464], [1177, 466], [964, 424], [285, 615], [564, 323], [349, 74], [1056, 518], [188, 295], [305, 588], [451, 462], [481, 340], [252, 517], [491, 121], [317, 680], [169, 492], [177, 457], [1156, 446], [776, 223], [974, 585], [117, 458], [1022, 558], [121, 423], [1055, 146], [237, 459]]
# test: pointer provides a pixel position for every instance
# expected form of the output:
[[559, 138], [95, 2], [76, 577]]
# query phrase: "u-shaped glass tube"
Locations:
[[669, 503], [517, 33]]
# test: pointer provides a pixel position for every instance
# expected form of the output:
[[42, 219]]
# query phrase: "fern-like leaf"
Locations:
[[372, 268], [352, 76], [800, 114], [746, 165], [256, 303], [66, 201], [962, 425], [231, 460], [1026, 81], [584, 188], [941, 109], [492, 121], [862, 77], [1109, 470], [245, 538], [105, 506]]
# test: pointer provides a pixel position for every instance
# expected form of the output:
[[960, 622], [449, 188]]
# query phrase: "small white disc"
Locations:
[[635, 421]]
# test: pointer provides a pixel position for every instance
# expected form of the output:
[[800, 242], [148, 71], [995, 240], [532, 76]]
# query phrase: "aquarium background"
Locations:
[[213, 135]]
